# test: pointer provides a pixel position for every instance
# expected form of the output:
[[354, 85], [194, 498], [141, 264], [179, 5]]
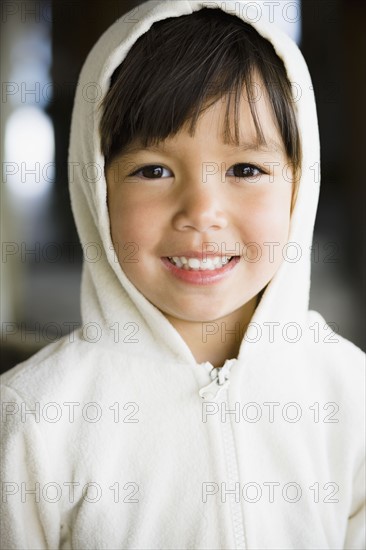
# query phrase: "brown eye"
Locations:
[[152, 171], [246, 171]]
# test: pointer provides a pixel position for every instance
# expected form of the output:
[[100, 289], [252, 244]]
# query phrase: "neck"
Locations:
[[217, 340]]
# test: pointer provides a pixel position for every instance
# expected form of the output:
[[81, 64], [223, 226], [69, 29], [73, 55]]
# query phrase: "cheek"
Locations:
[[266, 220], [133, 221]]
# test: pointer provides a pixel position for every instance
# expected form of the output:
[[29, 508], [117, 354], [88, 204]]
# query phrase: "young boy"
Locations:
[[201, 405]]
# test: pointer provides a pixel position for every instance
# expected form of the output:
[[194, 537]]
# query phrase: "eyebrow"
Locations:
[[270, 147]]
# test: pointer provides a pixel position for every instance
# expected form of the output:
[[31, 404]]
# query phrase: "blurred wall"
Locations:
[[41, 288], [333, 39]]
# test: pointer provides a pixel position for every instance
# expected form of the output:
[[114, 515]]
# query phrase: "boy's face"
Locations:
[[186, 199]]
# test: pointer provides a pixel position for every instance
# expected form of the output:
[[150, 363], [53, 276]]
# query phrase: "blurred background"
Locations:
[[43, 46]]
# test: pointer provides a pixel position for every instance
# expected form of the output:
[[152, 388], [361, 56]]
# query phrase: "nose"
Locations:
[[200, 209]]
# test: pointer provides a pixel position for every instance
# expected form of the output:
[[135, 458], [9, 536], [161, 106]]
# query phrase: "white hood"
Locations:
[[107, 295]]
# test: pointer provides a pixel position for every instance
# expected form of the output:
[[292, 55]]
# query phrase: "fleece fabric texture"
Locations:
[[121, 451]]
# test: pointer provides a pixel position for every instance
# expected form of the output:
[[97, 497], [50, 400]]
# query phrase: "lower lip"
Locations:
[[207, 277]]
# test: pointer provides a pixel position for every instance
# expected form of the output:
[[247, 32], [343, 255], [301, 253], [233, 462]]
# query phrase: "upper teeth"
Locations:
[[214, 262]]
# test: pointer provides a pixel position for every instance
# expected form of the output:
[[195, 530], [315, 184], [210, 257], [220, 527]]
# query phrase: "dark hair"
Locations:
[[183, 65]]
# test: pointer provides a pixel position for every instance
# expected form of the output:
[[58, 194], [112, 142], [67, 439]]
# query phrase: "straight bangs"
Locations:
[[182, 66]]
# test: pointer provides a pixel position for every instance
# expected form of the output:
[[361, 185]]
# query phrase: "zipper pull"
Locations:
[[220, 381], [213, 390]]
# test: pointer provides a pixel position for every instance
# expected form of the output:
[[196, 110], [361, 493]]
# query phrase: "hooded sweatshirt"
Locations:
[[115, 437]]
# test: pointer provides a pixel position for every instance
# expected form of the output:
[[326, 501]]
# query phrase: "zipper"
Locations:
[[217, 390], [220, 381]]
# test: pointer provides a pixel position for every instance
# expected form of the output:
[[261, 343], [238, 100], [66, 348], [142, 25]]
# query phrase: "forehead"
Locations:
[[217, 126], [232, 120]]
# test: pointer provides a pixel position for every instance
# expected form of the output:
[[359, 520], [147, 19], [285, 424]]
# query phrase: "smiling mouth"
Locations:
[[194, 264]]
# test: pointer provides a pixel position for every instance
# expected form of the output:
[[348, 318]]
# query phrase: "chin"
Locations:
[[202, 315]]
